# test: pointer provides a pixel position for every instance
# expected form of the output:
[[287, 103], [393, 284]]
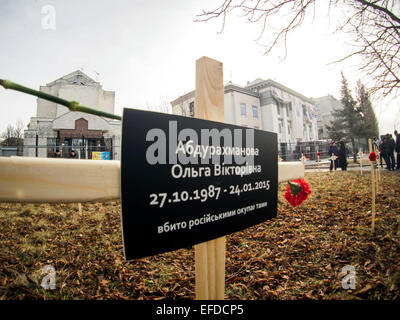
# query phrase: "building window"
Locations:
[[288, 130], [78, 80], [191, 109], [280, 126], [278, 109], [243, 109], [51, 141], [51, 147], [255, 112], [287, 110]]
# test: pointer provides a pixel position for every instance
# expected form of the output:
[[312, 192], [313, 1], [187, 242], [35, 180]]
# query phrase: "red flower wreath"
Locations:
[[372, 156], [318, 154], [297, 191]]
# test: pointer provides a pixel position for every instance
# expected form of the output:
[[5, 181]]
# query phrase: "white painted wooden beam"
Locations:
[[24, 179], [290, 171]]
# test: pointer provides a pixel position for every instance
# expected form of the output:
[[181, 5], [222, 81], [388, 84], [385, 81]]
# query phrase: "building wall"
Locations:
[[181, 105], [51, 118], [279, 108], [45, 108], [234, 102], [87, 91], [324, 108], [286, 112]]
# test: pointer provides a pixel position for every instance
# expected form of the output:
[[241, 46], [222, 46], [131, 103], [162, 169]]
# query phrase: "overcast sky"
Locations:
[[145, 51]]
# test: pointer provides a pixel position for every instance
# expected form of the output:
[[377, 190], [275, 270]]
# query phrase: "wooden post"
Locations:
[[361, 168], [333, 158], [373, 189], [378, 174], [210, 256]]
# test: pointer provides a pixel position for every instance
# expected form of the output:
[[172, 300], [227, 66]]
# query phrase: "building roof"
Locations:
[[76, 77], [260, 83], [251, 88], [183, 98], [234, 87]]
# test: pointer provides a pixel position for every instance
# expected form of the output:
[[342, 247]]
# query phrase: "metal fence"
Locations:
[[294, 151], [81, 152], [9, 151], [287, 151]]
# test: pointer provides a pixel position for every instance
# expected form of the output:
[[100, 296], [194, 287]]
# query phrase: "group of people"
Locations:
[[387, 147], [72, 154], [339, 155]]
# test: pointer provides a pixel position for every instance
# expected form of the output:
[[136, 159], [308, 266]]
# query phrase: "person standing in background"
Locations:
[[388, 146], [342, 156], [381, 152], [73, 155], [397, 149], [391, 154], [333, 151]]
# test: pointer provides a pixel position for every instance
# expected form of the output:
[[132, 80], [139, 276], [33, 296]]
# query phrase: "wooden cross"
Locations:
[[373, 189], [210, 255], [333, 158], [378, 173], [303, 160], [361, 167], [24, 179]]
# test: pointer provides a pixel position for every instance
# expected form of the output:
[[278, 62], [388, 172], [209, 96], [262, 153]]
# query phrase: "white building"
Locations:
[[324, 108], [57, 128], [265, 105]]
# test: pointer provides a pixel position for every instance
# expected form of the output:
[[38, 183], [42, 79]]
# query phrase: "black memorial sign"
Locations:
[[186, 181]]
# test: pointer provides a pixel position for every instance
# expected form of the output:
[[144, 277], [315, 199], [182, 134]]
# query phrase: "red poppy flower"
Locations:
[[297, 191], [318, 154], [372, 156]]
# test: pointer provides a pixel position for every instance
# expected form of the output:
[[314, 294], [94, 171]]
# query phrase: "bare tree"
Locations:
[[373, 27], [8, 133], [13, 136], [164, 105], [19, 130], [375, 31]]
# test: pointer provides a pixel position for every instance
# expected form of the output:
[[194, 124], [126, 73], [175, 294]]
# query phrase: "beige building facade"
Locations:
[[265, 105], [324, 108], [55, 128]]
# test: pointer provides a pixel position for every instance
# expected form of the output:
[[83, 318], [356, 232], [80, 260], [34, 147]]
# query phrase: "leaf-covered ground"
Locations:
[[298, 255]]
